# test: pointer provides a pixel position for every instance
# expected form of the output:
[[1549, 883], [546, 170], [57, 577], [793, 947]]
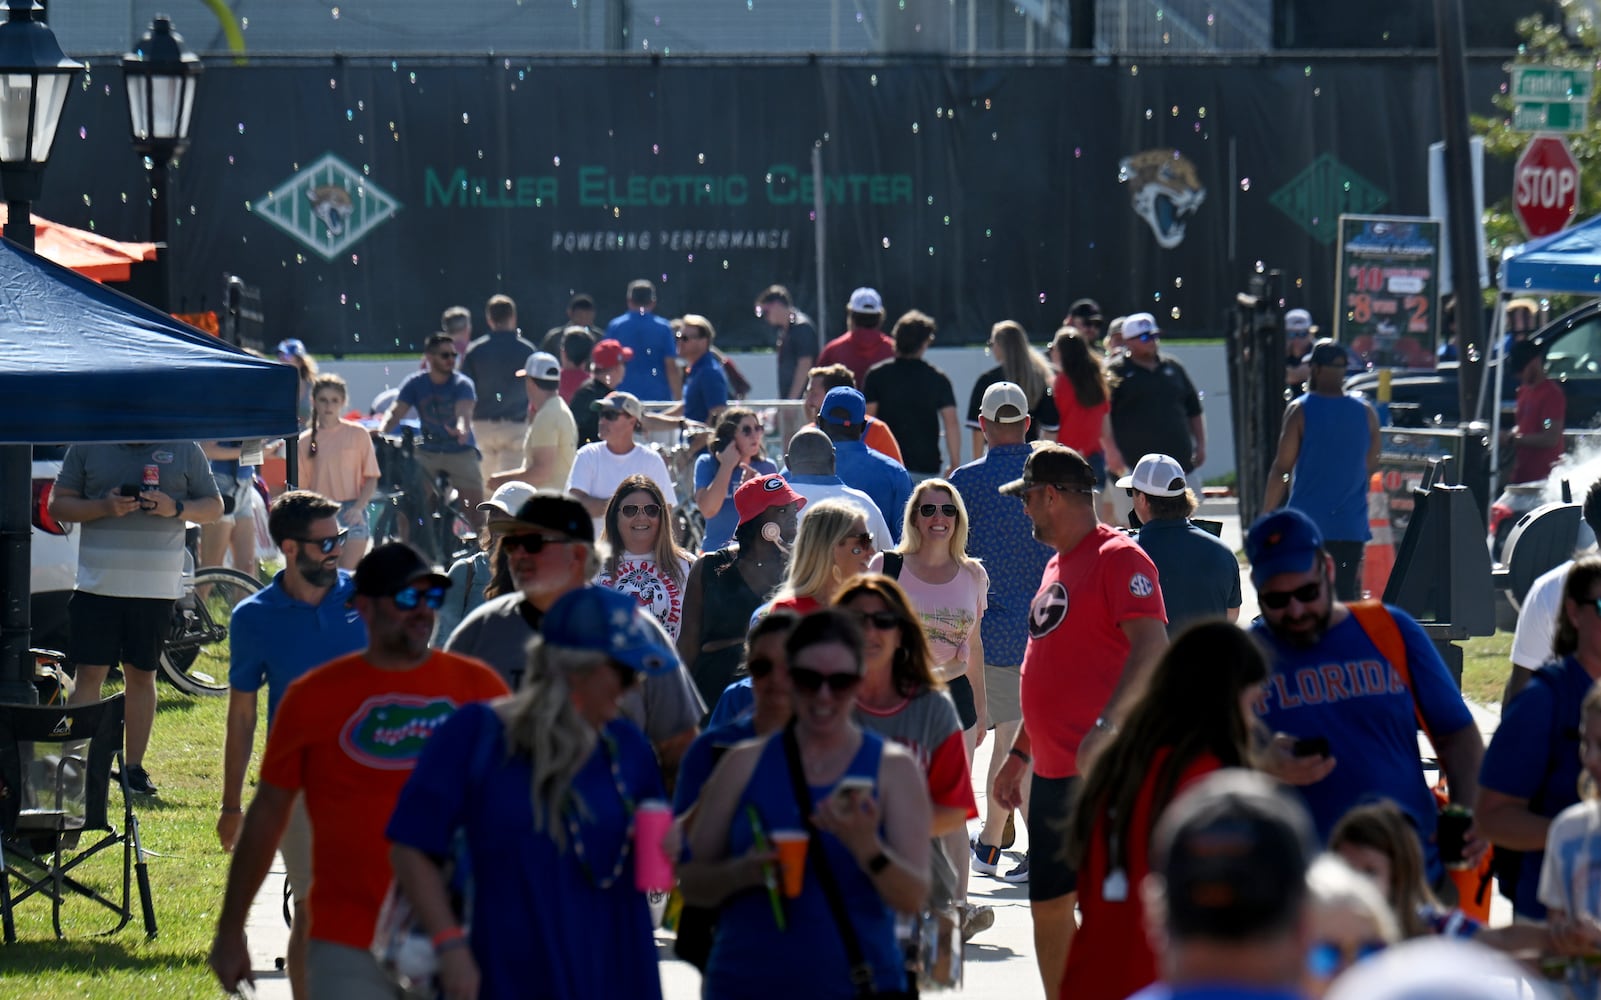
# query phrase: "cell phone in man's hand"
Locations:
[[129, 489], [1312, 746]]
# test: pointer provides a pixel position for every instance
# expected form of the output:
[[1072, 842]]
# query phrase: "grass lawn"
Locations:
[[187, 872], [1486, 661]]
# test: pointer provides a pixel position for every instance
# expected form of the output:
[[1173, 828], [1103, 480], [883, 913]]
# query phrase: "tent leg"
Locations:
[[16, 492]]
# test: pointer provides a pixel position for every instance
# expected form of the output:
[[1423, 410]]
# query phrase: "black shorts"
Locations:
[[1050, 811], [961, 692], [107, 631]]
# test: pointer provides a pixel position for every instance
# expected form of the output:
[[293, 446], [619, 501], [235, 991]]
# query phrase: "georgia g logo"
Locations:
[[1048, 611], [1164, 187]]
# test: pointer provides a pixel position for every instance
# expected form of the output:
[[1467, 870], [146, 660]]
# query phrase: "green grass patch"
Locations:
[[187, 874], [1486, 661]]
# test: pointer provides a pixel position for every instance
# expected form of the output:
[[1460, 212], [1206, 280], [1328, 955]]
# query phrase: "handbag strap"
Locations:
[[861, 969]]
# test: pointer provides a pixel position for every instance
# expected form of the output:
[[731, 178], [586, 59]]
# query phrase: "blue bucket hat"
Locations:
[[594, 618], [1285, 541]]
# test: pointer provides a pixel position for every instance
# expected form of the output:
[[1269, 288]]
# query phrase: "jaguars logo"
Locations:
[[1164, 188], [332, 204]]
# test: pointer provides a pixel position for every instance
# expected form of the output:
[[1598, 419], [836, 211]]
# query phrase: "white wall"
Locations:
[[1206, 364]]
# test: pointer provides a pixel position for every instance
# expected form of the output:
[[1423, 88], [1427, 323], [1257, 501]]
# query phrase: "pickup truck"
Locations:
[[1422, 396]]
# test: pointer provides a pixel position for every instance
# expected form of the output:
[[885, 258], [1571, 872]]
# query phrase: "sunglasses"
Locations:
[[690, 335], [408, 599], [883, 621], [326, 545], [751, 430], [531, 544], [1278, 600], [652, 511], [864, 541], [1326, 958], [1145, 337], [929, 509], [759, 667], [812, 681], [445, 354], [610, 414]]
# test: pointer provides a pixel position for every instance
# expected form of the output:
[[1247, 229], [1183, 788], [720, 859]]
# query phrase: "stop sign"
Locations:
[[1545, 186]]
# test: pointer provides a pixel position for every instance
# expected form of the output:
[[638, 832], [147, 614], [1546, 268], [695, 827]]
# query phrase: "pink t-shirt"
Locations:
[[344, 461], [950, 611]]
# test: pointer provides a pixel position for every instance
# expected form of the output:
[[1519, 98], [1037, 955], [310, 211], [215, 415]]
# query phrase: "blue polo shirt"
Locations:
[[274, 639], [651, 339], [879, 476], [1200, 576], [1002, 537], [705, 388]]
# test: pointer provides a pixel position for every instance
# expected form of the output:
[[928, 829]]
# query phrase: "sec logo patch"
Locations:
[[1048, 611], [1140, 585]]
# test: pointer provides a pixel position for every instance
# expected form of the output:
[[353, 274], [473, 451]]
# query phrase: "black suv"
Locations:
[[1572, 357]]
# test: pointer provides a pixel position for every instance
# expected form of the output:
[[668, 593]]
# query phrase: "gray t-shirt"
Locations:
[[498, 632], [141, 554]]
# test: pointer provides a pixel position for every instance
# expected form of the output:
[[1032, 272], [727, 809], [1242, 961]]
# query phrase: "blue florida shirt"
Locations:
[[274, 639], [1345, 690], [1002, 536]]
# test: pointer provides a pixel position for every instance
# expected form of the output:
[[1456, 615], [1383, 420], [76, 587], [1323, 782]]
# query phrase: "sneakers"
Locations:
[[986, 859], [976, 920], [139, 781], [1018, 874]]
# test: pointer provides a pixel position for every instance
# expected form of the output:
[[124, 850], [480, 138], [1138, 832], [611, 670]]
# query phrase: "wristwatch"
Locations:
[[177, 508], [877, 863]]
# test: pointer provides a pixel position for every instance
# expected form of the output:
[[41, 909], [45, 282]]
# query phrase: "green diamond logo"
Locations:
[[1321, 193], [328, 206]]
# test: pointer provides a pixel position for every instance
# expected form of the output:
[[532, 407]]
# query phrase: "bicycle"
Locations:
[[194, 656], [408, 508]]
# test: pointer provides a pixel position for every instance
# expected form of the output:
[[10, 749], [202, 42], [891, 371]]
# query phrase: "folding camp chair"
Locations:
[[55, 780]]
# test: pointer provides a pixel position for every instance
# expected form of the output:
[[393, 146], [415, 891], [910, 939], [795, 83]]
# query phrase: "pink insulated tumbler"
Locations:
[[653, 870]]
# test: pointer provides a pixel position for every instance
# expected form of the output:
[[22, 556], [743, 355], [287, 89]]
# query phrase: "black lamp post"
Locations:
[[34, 79], [161, 76]]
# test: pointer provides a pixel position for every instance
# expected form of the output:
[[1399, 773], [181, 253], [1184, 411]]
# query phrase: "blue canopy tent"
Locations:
[[81, 363]]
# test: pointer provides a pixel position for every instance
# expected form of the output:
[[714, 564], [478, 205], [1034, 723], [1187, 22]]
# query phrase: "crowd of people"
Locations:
[[1211, 809]]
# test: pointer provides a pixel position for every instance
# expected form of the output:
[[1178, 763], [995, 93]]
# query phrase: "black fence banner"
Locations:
[[364, 196]]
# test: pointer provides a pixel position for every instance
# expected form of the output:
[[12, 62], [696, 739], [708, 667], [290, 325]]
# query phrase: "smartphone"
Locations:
[[849, 790], [129, 489], [1312, 746]]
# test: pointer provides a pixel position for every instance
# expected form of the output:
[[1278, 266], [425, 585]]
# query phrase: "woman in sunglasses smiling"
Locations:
[[903, 700], [641, 557], [860, 799], [734, 458]]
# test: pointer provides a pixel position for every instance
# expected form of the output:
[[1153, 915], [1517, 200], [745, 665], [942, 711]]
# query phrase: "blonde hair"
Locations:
[[700, 323], [912, 540], [1020, 363], [812, 572], [543, 724], [1334, 885]]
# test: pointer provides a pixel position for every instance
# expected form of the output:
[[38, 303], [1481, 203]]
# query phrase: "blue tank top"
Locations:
[[751, 956], [1330, 484]]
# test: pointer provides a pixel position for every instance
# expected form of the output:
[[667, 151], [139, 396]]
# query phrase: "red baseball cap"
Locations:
[[610, 353], [762, 493]]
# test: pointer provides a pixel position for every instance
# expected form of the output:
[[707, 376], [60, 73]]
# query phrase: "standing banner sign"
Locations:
[[1387, 289]]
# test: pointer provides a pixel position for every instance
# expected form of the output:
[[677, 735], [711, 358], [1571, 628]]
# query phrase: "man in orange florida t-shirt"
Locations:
[[348, 734]]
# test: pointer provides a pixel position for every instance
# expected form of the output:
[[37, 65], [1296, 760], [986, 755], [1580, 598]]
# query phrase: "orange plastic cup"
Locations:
[[791, 848]]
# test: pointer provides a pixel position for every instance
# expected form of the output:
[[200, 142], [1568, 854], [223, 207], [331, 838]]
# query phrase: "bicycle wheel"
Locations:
[[194, 659]]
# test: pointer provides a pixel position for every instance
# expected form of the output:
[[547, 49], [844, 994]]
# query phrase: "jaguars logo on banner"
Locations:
[[1048, 611], [1164, 187]]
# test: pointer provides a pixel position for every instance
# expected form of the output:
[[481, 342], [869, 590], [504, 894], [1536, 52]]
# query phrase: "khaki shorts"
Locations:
[[460, 466], [296, 850], [1002, 687]]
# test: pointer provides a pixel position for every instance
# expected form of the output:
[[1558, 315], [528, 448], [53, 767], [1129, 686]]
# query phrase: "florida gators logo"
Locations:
[[388, 731], [1164, 187], [332, 204]]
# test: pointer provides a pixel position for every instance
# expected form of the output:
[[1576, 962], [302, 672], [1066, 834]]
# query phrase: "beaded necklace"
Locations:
[[570, 815]]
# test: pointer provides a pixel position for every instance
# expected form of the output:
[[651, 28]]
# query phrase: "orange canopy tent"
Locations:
[[90, 254]]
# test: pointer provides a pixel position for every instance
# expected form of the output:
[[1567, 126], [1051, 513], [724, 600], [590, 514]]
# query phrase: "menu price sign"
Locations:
[[1387, 289]]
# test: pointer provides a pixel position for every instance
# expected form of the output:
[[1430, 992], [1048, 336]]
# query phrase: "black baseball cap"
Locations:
[[1085, 309], [391, 568], [1053, 465], [1232, 852], [557, 513]]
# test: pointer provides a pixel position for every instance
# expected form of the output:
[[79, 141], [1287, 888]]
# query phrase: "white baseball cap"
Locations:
[[1158, 475], [507, 500], [1138, 325], [541, 367], [1002, 395], [1298, 322], [866, 300]]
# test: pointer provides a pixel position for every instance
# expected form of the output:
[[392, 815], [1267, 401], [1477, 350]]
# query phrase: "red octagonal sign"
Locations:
[[1545, 186]]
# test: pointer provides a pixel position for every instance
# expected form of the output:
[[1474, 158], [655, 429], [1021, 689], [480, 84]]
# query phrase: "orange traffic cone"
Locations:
[[1378, 559]]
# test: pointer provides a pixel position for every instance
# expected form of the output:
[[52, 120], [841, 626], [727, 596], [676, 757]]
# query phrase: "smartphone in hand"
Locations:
[[1312, 746]]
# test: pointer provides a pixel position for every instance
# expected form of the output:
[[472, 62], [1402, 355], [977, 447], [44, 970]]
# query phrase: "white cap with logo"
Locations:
[[541, 367], [1004, 403], [1158, 475], [866, 300]]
